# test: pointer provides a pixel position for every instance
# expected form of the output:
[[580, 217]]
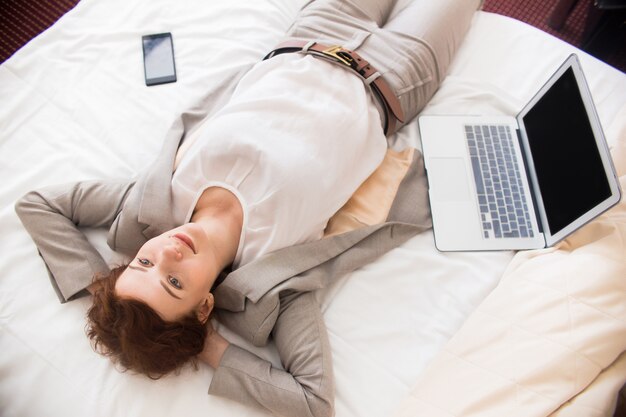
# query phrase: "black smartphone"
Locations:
[[158, 58]]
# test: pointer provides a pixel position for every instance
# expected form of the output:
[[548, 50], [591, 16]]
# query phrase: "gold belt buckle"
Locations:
[[339, 54]]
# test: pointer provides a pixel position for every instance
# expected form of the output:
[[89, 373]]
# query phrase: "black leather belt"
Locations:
[[352, 60]]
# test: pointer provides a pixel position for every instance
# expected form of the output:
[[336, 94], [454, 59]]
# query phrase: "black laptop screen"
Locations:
[[569, 170]]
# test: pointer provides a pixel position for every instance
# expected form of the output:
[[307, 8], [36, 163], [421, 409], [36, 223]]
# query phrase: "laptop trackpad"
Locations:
[[447, 179]]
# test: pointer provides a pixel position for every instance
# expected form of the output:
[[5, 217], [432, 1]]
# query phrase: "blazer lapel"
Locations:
[[337, 253], [156, 191], [255, 279]]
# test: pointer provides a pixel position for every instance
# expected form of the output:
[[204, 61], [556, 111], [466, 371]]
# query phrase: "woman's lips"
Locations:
[[186, 240]]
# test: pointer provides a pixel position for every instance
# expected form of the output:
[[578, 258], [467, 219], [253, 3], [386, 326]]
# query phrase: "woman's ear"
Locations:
[[204, 311]]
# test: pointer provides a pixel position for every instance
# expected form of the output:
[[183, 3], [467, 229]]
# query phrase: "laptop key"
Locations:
[[478, 178]]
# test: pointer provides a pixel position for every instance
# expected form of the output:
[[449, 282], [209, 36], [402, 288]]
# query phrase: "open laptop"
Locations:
[[525, 182]]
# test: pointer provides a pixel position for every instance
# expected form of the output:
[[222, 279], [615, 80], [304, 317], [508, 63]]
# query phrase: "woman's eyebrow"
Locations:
[[164, 285], [137, 268]]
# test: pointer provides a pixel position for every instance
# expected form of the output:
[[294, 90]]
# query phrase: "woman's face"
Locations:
[[172, 273]]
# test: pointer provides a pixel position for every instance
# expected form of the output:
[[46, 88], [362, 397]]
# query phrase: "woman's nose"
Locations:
[[171, 253]]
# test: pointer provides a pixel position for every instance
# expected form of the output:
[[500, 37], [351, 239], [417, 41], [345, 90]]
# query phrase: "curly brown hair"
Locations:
[[136, 338]]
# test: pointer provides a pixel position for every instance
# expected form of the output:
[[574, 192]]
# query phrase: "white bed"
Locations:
[[73, 106]]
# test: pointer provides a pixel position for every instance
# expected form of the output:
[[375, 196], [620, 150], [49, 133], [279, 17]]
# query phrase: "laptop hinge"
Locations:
[[533, 192]]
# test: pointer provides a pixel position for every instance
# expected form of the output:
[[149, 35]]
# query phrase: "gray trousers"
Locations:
[[410, 42]]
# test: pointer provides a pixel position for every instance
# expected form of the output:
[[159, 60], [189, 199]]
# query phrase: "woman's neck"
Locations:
[[219, 213]]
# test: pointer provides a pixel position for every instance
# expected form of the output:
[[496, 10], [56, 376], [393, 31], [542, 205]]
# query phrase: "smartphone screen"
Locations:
[[158, 58]]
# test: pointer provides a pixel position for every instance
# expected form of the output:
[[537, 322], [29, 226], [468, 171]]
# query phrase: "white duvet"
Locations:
[[73, 106]]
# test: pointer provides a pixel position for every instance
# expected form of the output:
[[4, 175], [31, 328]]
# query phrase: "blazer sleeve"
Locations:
[[52, 216], [305, 387]]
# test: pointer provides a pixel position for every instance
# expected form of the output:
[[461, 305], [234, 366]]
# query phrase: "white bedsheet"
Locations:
[[73, 106]]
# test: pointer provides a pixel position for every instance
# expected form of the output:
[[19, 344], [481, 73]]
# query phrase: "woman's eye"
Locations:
[[175, 282], [144, 262]]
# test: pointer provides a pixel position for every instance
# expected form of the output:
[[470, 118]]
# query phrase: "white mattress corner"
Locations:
[[74, 106]]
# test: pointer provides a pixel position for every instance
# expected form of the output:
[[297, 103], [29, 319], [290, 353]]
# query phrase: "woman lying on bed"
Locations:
[[258, 178]]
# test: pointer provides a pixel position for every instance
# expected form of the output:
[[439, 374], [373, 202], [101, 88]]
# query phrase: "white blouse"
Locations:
[[294, 142]]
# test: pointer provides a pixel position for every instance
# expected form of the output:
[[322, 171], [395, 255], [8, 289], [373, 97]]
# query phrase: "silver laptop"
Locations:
[[525, 182]]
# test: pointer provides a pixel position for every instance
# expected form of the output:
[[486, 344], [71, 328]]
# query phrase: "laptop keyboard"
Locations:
[[503, 206]]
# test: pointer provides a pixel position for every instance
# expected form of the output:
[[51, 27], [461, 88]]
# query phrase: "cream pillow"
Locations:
[[371, 202]]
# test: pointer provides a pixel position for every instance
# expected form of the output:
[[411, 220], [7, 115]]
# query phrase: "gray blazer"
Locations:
[[270, 296]]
